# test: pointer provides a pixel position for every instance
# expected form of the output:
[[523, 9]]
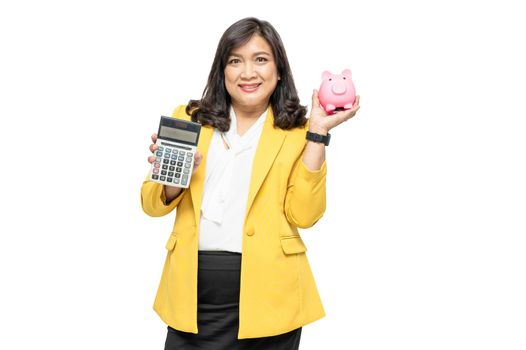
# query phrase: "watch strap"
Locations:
[[311, 136]]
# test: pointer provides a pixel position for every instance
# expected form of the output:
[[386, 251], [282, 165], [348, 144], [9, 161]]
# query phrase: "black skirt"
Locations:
[[218, 311]]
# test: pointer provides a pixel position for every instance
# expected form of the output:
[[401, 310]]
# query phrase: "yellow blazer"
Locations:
[[277, 289]]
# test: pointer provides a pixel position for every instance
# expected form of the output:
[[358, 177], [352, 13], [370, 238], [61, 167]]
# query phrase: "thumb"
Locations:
[[315, 99]]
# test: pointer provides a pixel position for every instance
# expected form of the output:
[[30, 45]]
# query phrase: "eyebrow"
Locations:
[[255, 54]]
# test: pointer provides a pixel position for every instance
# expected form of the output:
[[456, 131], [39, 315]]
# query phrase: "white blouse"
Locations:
[[227, 182]]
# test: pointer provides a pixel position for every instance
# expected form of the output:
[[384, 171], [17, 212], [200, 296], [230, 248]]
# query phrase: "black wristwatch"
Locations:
[[319, 138]]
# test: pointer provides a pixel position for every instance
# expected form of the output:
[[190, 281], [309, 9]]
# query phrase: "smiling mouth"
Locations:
[[249, 87]]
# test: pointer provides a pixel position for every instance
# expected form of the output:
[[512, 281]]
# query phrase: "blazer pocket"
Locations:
[[170, 244], [293, 245]]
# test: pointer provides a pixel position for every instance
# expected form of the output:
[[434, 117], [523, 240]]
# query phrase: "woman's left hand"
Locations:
[[321, 123]]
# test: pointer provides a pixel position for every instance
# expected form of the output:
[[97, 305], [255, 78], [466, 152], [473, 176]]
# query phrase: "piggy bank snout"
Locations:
[[336, 92], [339, 88]]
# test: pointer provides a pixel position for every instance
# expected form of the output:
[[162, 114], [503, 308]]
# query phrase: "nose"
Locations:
[[248, 71], [339, 88]]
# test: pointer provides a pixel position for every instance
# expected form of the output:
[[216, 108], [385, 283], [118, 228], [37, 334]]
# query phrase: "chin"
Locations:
[[251, 102]]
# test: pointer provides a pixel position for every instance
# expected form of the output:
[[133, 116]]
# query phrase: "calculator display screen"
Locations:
[[177, 134]]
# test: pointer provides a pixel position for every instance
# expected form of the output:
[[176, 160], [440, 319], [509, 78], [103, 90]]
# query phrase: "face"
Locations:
[[251, 74]]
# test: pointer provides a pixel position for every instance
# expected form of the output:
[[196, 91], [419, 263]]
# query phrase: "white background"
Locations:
[[423, 242]]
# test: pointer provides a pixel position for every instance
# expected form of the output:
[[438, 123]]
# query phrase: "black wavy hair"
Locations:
[[214, 106]]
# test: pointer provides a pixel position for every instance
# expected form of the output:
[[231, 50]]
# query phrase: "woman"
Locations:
[[236, 275]]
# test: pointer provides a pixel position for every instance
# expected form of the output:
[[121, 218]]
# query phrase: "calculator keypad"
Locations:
[[172, 166]]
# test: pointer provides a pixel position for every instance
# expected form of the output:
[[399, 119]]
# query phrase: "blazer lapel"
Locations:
[[197, 181], [269, 144]]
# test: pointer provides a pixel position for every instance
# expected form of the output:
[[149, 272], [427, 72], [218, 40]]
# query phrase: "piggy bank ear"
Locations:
[[326, 75], [347, 73]]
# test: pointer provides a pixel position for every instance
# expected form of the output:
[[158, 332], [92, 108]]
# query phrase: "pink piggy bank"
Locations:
[[336, 91]]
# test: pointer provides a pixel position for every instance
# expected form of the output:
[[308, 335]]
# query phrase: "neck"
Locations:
[[246, 112]]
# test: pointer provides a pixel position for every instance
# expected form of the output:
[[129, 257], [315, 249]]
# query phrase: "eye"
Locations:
[[263, 59], [232, 61]]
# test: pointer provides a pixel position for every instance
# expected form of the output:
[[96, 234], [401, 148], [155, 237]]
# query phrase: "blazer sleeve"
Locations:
[[153, 200], [305, 200]]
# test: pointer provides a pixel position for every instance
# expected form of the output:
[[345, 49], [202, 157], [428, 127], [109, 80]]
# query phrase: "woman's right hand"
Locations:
[[198, 156]]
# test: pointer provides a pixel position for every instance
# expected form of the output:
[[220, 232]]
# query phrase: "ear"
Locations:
[[326, 75], [347, 73]]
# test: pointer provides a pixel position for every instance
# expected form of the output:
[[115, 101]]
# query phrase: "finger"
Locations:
[[198, 157], [154, 138], [197, 162], [343, 116], [355, 107], [153, 147], [315, 99], [151, 159]]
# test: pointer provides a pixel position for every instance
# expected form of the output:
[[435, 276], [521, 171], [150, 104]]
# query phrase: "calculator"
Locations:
[[174, 158]]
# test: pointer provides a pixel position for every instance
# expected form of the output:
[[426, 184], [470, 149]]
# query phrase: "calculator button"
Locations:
[[158, 159], [172, 168], [155, 171], [163, 178], [160, 148], [166, 155], [174, 156], [178, 169], [189, 154], [156, 165], [177, 175], [165, 166], [155, 177], [166, 161], [169, 179], [179, 163], [170, 173], [175, 151], [181, 153], [186, 171], [158, 153], [168, 150], [172, 162], [163, 172], [187, 165]]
